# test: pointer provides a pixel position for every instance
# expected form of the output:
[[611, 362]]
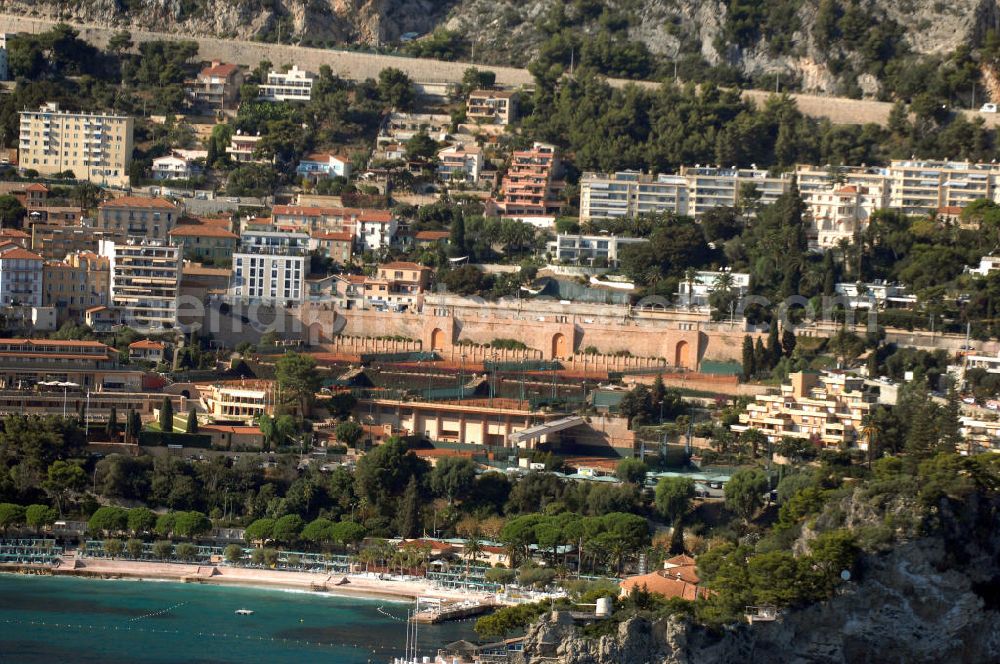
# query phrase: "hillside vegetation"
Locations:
[[878, 48]]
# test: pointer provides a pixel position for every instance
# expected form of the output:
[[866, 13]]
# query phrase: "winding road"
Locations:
[[355, 65]]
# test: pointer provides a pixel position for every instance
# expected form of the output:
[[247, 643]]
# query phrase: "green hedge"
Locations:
[[162, 439]]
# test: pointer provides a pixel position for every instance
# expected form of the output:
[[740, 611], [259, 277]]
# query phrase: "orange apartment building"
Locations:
[[531, 188], [827, 409]]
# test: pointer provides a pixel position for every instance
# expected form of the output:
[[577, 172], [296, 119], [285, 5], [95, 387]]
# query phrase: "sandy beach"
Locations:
[[359, 585]]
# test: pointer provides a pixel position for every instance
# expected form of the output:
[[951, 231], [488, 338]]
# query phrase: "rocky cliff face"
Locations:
[[936, 599], [511, 31]]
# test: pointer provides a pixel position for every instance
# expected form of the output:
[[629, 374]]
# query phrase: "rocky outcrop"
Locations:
[[935, 599]]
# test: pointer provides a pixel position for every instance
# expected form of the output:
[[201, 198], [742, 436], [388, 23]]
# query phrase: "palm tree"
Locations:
[[870, 432], [471, 550], [690, 275]]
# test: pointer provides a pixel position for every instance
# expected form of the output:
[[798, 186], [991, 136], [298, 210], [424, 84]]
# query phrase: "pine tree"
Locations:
[[773, 345], [949, 424], [112, 427], [167, 416], [192, 423], [409, 513], [749, 366], [788, 342], [760, 357]]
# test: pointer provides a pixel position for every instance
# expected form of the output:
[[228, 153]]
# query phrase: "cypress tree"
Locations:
[[112, 427], [773, 345], [749, 366], [167, 416], [135, 424], [192, 423], [829, 274], [760, 357], [457, 238], [409, 513]]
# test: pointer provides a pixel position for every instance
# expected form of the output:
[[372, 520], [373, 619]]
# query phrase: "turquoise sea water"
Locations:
[[61, 619]]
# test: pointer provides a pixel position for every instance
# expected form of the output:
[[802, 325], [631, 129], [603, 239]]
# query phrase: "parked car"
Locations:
[[988, 108]]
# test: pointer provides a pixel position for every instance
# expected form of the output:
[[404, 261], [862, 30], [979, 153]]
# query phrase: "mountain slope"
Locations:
[[847, 47]]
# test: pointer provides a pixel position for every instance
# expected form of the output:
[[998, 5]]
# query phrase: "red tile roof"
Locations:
[[147, 344], [403, 265], [661, 583], [22, 254], [432, 235], [13, 232], [219, 69], [35, 186]]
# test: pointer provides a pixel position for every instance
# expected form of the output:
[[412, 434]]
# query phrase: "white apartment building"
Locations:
[[241, 148], [401, 127], [292, 85], [95, 147], [630, 193], [178, 165], [589, 249], [375, 229], [20, 276], [693, 192], [878, 293], [460, 163], [270, 267], [144, 284], [695, 293], [839, 202], [711, 187], [922, 187], [987, 264]]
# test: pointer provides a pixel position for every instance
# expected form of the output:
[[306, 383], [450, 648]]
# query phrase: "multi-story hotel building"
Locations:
[[136, 217], [693, 192], [292, 85], [630, 193], [95, 147], [922, 187], [270, 267], [711, 187], [89, 364], [144, 283], [828, 409], [530, 188]]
